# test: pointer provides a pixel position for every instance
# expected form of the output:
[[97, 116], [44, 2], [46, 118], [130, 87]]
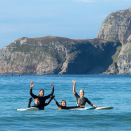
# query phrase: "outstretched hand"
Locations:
[[31, 84], [74, 81], [52, 85]]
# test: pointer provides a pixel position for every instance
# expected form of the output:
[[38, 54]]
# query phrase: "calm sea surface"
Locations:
[[101, 90]]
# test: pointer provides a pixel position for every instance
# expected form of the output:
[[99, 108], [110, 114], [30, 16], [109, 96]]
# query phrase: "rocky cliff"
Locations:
[[116, 26], [57, 55], [124, 58], [109, 53]]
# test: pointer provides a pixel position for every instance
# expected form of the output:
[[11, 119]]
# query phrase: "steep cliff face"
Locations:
[[117, 26], [113, 68], [56, 55], [124, 58]]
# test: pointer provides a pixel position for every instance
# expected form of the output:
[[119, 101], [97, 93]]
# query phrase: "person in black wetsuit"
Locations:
[[81, 100], [41, 96], [37, 103], [63, 105]]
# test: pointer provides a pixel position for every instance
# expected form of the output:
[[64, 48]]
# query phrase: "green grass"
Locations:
[[14, 61], [115, 56], [111, 38], [127, 52], [118, 48]]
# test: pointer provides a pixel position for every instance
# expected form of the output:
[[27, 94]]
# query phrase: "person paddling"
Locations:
[[41, 96], [81, 100], [63, 105]]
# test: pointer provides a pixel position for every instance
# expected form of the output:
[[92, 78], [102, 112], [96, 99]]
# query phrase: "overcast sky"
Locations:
[[75, 19]]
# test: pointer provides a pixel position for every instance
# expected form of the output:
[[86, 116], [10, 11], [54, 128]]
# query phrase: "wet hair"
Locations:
[[63, 100], [41, 90]]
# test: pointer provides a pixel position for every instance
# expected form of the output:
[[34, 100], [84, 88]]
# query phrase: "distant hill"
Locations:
[[58, 55]]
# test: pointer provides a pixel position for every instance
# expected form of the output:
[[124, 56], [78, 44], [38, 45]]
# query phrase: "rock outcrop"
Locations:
[[117, 26], [57, 55], [124, 58]]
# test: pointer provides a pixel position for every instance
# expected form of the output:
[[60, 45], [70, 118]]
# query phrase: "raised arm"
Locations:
[[59, 106], [52, 90], [51, 94], [56, 102], [74, 86], [31, 86]]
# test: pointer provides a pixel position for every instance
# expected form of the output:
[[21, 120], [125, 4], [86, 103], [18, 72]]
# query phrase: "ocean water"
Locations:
[[101, 90]]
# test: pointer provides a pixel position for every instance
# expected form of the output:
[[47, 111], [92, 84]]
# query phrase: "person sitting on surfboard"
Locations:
[[81, 100], [63, 105], [41, 96], [37, 103]]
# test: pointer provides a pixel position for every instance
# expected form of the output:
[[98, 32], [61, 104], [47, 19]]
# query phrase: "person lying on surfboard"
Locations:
[[37, 103], [81, 100], [63, 105], [41, 96]]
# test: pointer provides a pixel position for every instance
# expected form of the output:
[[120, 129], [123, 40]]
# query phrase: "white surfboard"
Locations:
[[94, 108], [28, 109], [85, 108], [104, 108]]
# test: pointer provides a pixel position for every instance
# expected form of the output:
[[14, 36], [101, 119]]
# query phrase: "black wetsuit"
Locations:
[[60, 107], [81, 100], [38, 106], [41, 99]]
